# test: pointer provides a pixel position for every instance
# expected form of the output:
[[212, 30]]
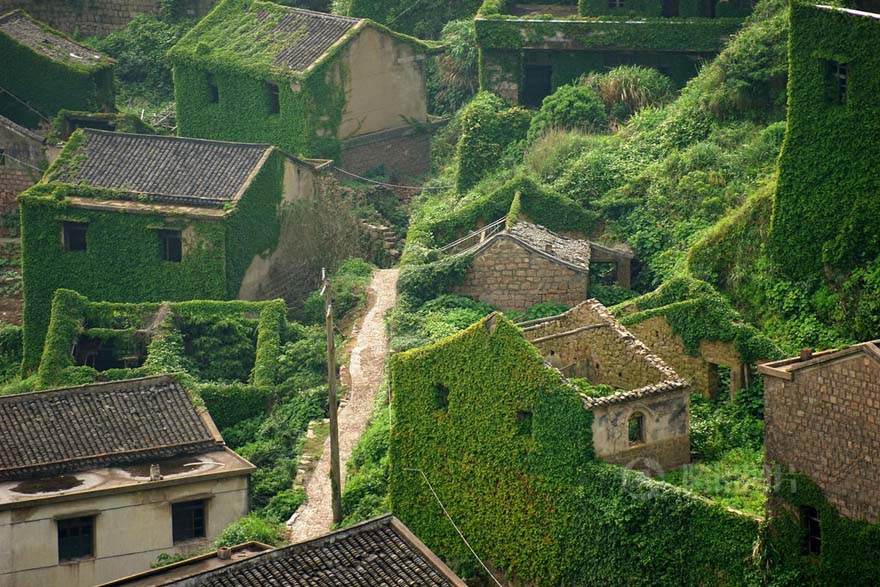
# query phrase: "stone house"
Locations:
[[517, 266], [97, 481], [381, 551], [527, 50], [821, 414], [312, 83], [136, 218], [644, 422], [44, 71], [22, 155]]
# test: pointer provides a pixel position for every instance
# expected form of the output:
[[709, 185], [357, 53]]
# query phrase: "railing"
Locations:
[[474, 239]]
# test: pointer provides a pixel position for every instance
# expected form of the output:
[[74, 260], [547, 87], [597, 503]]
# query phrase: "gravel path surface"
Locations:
[[366, 369]]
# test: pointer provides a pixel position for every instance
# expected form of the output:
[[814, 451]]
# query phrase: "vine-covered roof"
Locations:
[[267, 39], [48, 42], [175, 169]]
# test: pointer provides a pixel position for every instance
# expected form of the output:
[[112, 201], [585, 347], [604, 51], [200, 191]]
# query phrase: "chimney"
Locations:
[[224, 553], [806, 354], [155, 474]]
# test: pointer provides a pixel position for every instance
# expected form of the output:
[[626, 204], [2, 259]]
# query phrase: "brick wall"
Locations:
[[825, 423], [657, 334], [94, 17], [404, 153], [511, 277]]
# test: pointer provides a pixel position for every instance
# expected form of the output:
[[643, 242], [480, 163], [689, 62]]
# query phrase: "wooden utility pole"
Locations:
[[335, 483]]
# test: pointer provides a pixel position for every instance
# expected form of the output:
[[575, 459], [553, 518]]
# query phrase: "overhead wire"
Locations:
[[391, 185]]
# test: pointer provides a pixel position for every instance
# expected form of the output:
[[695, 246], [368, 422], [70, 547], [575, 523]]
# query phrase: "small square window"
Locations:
[[274, 99], [838, 75], [213, 90], [636, 428], [73, 236], [76, 538], [170, 245], [812, 530], [188, 520], [615, 3]]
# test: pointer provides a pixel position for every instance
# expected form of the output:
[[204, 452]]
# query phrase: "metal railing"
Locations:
[[474, 238]]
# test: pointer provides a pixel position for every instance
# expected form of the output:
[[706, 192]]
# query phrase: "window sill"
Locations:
[[76, 561]]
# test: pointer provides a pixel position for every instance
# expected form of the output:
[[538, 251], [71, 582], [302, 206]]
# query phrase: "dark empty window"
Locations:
[[274, 99], [188, 520], [524, 422], [537, 78], [812, 530], [838, 74], [2, 157], [213, 90], [636, 428], [76, 538], [441, 397], [615, 3], [73, 236], [170, 245]]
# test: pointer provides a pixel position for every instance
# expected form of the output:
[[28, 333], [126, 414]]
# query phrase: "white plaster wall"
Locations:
[[131, 530]]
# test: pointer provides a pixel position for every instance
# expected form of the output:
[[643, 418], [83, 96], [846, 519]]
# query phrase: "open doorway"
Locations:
[[537, 78]]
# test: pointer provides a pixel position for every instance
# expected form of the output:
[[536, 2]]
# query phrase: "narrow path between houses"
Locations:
[[365, 369]]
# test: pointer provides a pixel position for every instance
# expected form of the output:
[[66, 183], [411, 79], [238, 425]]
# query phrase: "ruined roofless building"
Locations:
[[96, 481], [312, 83]]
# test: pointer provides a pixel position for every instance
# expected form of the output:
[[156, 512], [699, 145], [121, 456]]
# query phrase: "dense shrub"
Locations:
[[570, 107], [454, 76], [349, 284], [627, 89], [420, 283], [251, 528]]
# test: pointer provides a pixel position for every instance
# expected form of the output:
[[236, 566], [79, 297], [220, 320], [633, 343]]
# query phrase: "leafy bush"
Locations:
[[349, 285], [722, 425], [570, 107], [251, 528], [366, 487], [627, 89], [542, 310], [10, 351], [454, 77], [283, 505], [420, 283]]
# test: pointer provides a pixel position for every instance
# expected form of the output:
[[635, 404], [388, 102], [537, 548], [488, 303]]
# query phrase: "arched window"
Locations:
[[636, 428]]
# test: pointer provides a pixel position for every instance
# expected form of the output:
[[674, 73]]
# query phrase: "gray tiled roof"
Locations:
[[78, 428], [52, 44], [572, 251], [176, 169], [381, 552], [308, 35]]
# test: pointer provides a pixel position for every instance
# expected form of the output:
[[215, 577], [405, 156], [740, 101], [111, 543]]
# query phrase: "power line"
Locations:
[[451, 521], [25, 104], [391, 185], [392, 21]]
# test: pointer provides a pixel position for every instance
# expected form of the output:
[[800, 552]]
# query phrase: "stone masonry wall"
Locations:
[[95, 17], [825, 423], [657, 334], [512, 277], [607, 354], [404, 153]]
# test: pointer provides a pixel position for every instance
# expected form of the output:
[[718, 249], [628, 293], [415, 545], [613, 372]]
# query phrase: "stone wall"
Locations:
[[95, 17], [700, 371], [404, 153], [667, 441], [825, 423], [588, 342], [507, 274]]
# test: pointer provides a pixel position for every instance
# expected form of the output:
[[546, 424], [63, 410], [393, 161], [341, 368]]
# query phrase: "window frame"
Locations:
[[66, 242], [811, 522], [616, 4], [641, 420], [3, 158], [213, 90], [838, 74], [194, 530], [165, 236], [78, 523], [274, 98]]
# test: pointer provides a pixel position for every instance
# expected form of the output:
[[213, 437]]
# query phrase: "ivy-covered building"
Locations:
[[43, 71], [826, 213], [314, 84], [138, 218], [528, 50]]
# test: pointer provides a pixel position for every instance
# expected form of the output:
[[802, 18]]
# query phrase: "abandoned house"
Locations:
[[44, 71], [821, 414], [528, 50], [517, 265], [381, 551], [697, 332], [312, 83], [642, 421], [113, 475], [23, 153], [135, 218]]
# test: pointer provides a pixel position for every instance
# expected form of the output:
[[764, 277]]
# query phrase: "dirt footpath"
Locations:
[[365, 369]]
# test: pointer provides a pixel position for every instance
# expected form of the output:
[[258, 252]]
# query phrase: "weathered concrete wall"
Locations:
[[95, 17], [666, 443], [588, 342], [699, 371], [131, 530], [510, 276], [825, 423], [385, 84]]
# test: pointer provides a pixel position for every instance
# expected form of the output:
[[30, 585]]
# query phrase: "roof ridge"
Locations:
[[86, 388], [174, 138], [328, 15]]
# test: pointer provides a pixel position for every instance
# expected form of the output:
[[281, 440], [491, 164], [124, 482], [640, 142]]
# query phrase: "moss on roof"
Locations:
[[266, 39], [38, 37]]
